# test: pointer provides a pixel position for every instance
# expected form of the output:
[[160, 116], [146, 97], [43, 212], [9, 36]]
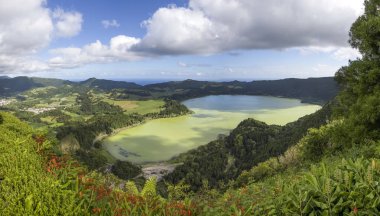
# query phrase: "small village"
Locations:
[[40, 110], [4, 102]]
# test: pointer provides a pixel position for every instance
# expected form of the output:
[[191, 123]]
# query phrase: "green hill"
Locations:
[[108, 84]]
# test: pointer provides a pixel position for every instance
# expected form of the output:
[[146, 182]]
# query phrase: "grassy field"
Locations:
[[51, 121], [141, 107]]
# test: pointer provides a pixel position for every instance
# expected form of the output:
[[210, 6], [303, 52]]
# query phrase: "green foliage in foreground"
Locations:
[[346, 187], [350, 187], [25, 187]]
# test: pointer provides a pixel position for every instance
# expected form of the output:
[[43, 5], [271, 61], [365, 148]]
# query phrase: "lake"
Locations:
[[161, 139]]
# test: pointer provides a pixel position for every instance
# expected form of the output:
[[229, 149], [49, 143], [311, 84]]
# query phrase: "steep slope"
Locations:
[[25, 186]]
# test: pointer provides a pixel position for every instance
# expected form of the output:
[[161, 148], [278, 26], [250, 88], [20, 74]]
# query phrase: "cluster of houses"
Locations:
[[39, 110], [4, 102]]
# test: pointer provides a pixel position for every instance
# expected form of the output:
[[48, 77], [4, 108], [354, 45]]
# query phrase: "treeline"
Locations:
[[247, 145], [89, 107], [57, 114], [173, 108]]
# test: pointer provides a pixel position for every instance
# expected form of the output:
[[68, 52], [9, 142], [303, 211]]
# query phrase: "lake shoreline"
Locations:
[[303, 100], [263, 109]]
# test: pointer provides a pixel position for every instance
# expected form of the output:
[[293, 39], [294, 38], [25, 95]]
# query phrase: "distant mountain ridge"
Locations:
[[9, 86], [314, 90], [108, 84]]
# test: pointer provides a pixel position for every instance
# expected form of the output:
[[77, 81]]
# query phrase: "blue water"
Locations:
[[240, 103]]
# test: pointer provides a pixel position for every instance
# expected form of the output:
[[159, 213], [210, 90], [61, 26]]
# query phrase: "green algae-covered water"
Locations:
[[161, 139]]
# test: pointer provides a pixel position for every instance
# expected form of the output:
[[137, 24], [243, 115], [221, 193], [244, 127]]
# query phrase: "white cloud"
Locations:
[[315, 49], [110, 23], [182, 64], [25, 27], [338, 53], [189, 65], [347, 53], [118, 49], [121, 46], [321, 70], [15, 64], [68, 24], [28, 26], [179, 31], [212, 26]]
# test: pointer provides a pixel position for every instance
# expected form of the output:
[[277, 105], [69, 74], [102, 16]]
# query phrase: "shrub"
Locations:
[[352, 187], [125, 170]]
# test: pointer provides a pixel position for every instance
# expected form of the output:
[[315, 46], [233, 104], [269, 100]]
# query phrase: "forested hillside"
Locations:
[[11, 86]]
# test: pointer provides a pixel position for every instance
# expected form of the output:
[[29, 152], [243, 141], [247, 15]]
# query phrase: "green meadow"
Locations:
[[141, 107]]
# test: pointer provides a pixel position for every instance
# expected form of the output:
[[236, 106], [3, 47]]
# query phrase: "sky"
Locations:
[[176, 39]]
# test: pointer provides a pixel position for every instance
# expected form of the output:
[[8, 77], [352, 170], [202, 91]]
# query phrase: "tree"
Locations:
[[365, 31], [360, 80], [125, 170]]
